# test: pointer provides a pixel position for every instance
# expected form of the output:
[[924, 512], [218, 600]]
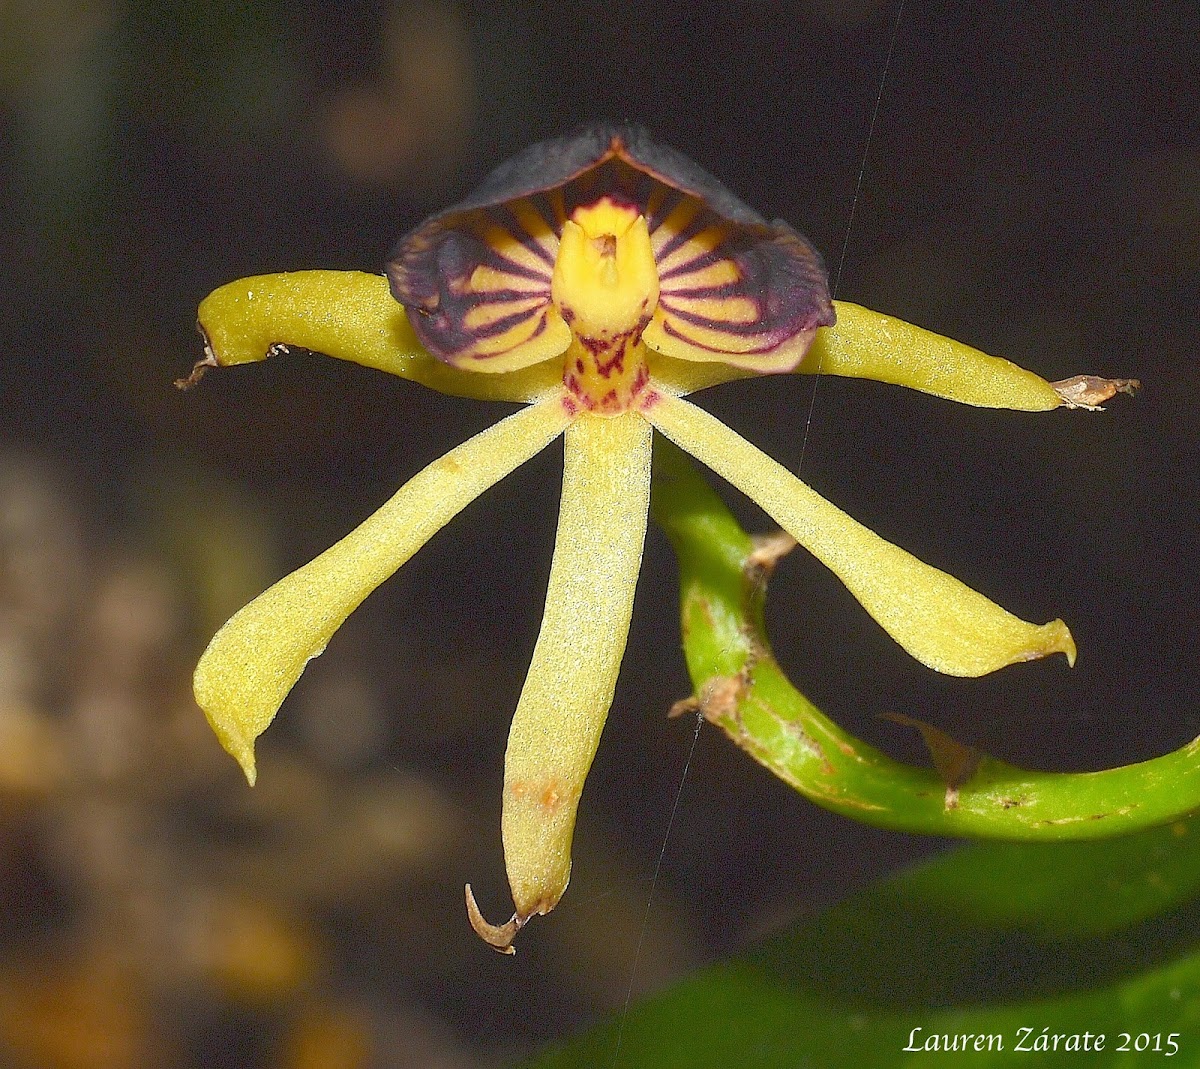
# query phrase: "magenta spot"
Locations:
[[579, 365], [617, 364]]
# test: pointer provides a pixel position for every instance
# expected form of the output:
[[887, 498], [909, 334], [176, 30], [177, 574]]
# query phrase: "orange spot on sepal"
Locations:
[[548, 794]]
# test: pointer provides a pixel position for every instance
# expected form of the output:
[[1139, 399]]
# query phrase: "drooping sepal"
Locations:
[[564, 703], [257, 657], [939, 620], [349, 315], [870, 345]]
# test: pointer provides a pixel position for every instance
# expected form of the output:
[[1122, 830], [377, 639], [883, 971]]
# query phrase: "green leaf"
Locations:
[[741, 688], [1097, 938]]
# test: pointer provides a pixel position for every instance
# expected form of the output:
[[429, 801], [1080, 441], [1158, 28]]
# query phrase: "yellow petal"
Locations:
[[682, 376], [943, 623], [345, 314], [256, 658], [565, 701], [868, 345]]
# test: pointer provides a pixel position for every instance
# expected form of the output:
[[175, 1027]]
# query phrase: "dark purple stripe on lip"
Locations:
[[778, 337], [497, 260], [506, 323], [709, 293], [741, 330], [703, 220], [541, 204], [697, 263], [507, 220], [475, 298]]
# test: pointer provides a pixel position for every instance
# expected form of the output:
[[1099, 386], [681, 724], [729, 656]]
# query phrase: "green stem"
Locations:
[[742, 689]]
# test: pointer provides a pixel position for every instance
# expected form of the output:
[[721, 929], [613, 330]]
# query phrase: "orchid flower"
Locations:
[[597, 278]]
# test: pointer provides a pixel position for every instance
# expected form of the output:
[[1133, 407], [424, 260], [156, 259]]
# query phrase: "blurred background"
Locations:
[[1032, 187]]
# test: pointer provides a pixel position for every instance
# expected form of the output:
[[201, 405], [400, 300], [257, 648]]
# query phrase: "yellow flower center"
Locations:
[[605, 287]]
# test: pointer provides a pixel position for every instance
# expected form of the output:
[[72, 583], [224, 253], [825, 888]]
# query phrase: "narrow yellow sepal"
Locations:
[[869, 345], [557, 724], [256, 658], [940, 621], [349, 315]]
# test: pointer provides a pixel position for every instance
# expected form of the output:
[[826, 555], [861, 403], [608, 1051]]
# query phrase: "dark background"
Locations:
[[1032, 187]]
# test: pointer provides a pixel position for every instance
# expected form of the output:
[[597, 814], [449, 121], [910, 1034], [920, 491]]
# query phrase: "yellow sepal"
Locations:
[[565, 701], [256, 658], [869, 345], [940, 621], [349, 315]]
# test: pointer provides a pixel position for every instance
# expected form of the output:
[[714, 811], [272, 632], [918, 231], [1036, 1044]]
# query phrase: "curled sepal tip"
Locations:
[[499, 937], [1091, 391]]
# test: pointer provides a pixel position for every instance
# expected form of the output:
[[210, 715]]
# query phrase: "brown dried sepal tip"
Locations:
[[500, 937], [209, 359], [1090, 391]]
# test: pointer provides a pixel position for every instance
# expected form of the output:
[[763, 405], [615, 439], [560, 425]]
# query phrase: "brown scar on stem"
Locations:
[[718, 699], [500, 937], [1124, 811], [807, 742], [1091, 391], [768, 550]]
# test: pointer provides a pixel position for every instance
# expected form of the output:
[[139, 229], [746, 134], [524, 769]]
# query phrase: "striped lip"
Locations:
[[476, 279]]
